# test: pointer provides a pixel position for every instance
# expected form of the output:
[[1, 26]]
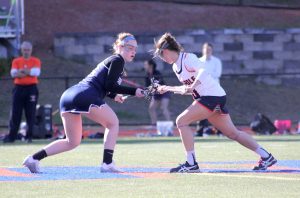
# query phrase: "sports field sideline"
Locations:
[[225, 165]]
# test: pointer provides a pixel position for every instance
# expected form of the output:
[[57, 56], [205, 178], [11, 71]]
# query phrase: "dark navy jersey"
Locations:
[[106, 77]]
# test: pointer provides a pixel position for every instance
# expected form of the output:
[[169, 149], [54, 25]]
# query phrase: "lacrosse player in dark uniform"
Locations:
[[86, 98]]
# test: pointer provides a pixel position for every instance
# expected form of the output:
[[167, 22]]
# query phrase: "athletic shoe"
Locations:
[[7, 139], [110, 168], [32, 164], [264, 163], [186, 168]]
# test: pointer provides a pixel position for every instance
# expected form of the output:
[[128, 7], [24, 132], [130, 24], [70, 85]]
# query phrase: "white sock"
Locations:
[[262, 152], [190, 157]]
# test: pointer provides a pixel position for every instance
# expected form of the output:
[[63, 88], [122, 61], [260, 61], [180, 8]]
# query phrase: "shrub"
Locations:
[[5, 65]]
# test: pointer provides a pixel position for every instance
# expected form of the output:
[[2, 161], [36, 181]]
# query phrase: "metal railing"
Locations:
[[68, 79], [274, 4], [12, 25]]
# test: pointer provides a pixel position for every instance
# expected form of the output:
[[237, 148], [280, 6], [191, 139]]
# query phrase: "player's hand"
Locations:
[[26, 71], [162, 89], [188, 89], [119, 98], [21, 73], [183, 90], [139, 93]]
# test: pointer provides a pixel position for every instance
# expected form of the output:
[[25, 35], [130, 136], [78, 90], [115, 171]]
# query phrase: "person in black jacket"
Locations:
[[87, 98], [157, 100]]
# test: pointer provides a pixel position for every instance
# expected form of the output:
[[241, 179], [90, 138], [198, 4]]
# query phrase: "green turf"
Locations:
[[158, 152]]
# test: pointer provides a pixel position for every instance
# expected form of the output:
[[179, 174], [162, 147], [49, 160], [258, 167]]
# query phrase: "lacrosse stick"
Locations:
[[148, 91], [126, 97], [177, 90], [152, 89]]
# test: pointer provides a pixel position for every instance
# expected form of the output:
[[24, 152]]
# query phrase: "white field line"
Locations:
[[249, 176]]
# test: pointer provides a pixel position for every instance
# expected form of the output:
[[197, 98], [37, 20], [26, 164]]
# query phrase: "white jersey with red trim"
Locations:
[[189, 68]]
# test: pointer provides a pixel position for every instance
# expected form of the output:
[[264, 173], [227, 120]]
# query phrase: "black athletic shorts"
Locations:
[[79, 99], [213, 103]]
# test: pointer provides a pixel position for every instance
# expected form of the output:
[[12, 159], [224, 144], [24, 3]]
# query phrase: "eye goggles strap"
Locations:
[[127, 39]]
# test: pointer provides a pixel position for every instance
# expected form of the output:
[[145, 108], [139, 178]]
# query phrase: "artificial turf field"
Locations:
[[225, 165]]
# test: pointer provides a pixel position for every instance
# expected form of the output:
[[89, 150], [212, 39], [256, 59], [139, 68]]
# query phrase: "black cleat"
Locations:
[[7, 139], [186, 168], [264, 163]]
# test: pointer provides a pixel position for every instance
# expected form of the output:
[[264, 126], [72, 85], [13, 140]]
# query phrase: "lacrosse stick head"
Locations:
[[152, 89]]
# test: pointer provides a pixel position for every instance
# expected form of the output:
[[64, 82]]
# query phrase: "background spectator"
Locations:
[[213, 65], [159, 99], [24, 70]]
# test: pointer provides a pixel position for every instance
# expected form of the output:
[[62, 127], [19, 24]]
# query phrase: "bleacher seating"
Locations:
[[11, 24]]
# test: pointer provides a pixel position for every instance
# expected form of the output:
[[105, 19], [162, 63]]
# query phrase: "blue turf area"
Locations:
[[87, 172]]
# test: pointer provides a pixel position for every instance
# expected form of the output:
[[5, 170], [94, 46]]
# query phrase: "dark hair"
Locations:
[[209, 44], [153, 63], [167, 41]]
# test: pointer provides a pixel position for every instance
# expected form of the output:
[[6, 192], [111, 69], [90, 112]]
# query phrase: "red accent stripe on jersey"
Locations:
[[188, 69]]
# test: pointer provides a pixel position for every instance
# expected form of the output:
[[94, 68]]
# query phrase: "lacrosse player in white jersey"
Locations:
[[209, 103]]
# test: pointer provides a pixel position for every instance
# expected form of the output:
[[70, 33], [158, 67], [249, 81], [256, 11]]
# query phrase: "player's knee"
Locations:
[[112, 123], [74, 143], [180, 122]]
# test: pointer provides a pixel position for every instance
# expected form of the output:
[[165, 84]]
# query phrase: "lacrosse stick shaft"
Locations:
[[177, 90], [127, 97]]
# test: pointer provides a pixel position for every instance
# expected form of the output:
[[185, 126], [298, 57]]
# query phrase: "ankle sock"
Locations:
[[40, 155], [190, 157], [262, 152], [107, 156]]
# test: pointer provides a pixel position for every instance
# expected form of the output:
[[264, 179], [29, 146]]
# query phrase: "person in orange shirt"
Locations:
[[25, 71]]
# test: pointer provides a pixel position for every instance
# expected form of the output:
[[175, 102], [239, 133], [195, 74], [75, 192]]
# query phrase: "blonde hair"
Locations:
[[121, 36], [167, 41]]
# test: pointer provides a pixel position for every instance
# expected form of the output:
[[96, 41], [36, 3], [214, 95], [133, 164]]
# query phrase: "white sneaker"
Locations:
[[32, 164], [110, 168]]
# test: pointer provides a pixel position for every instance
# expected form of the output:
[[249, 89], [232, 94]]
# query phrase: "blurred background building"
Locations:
[[258, 42]]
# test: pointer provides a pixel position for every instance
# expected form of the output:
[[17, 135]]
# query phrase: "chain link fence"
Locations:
[[287, 4], [247, 95]]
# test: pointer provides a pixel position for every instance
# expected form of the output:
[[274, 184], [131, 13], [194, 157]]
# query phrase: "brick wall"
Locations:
[[252, 51]]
